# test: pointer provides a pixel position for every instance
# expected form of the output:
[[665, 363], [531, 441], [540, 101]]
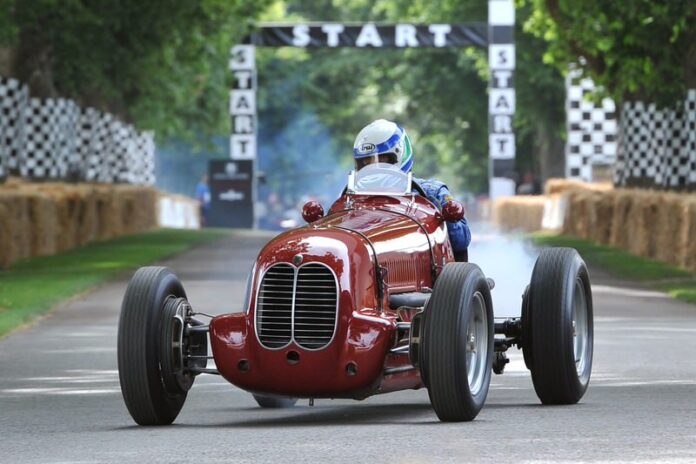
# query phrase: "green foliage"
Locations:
[[635, 49], [162, 65], [439, 95], [31, 287]]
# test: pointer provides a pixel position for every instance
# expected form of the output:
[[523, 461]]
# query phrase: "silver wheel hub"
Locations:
[[580, 328], [477, 343]]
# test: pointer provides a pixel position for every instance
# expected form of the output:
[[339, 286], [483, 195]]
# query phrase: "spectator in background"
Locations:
[[530, 185], [203, 197]]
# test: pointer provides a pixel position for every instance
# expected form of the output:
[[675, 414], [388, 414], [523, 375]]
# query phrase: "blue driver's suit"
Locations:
[[459, 233]]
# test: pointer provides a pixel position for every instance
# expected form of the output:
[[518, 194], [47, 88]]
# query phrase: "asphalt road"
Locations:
[[60, 399]]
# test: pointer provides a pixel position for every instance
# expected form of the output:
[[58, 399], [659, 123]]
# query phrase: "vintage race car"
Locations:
[[366, 299]]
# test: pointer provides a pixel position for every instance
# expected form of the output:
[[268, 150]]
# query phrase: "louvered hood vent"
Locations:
[[299, 304]]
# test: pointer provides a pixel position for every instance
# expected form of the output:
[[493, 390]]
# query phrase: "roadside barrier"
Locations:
[[55, 139], [522, 212], [47, 218], [655, 224], [178, 211]]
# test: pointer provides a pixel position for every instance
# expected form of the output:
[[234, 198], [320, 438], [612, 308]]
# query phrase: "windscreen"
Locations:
[[379, 179]]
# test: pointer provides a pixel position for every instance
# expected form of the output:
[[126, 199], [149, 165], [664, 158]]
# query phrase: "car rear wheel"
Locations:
[[557, 326], [457, 352], [275, 402], [150, 342]]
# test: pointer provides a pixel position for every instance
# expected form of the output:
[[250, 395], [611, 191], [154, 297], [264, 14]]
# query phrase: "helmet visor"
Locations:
[[389, 158]]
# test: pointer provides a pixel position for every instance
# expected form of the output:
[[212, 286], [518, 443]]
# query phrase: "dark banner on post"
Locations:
[[371, 35], [231, 193]]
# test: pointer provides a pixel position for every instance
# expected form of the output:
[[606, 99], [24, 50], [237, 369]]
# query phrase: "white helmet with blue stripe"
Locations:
[[382, 137]]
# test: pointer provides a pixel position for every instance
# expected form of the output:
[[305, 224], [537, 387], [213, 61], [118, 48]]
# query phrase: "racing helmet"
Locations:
[[385, 142]]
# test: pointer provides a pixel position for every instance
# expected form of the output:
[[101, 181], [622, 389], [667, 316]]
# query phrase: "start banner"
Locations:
[[371, 35]]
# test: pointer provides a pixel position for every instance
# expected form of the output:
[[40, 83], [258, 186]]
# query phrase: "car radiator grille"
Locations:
[[315, 306], [309, 319], [274, 308]]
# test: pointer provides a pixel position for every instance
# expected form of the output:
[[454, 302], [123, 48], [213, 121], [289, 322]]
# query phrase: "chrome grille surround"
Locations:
[[297, 304]]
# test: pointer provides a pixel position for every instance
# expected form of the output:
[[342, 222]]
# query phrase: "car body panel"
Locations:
[[375, 246]]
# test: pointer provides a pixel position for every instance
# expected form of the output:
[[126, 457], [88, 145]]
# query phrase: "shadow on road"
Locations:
[[304, 416]]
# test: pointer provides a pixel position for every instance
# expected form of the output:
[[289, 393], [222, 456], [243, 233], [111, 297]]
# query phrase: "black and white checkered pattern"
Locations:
[[690, 165], [55, 139], [658, 146], [144, 159], [592, 128], [13, 99], [40, 157]]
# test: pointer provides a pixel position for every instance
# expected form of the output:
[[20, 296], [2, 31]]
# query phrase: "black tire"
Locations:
[[560, 286], [459, 290], [139, 347], [275, 402]]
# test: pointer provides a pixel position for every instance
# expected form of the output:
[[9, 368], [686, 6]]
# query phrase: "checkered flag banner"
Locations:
[[592, 129], [13, 99], [646, 147], [658, 146], [53, 139]]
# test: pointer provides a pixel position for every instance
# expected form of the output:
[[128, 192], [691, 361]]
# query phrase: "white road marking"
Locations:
[[622, 291]]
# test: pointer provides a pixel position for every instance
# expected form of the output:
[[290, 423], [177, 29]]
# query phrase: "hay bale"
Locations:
[[558, 186], [688, 249], [108, 213], [17, 243], [88, 219], [5, 235], [603, 208], [44, 224], [578, 214], [40, 219], [523, 213], [623, 200], [641, 223], [668, 229]]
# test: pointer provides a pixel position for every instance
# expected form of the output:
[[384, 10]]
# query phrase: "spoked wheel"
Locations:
[[457, 353], [275, 402], [152, 342], [557, 327]]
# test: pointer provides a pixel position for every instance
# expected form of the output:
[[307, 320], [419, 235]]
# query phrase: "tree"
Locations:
[[439, 95], [161, 65], [633, 49]]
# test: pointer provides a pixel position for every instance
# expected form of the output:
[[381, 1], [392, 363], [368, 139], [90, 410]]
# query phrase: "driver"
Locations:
[[384, 141]]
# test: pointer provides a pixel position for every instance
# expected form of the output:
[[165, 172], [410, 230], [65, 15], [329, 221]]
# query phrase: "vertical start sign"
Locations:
[[232, 183], [501, 97], [243, 103]]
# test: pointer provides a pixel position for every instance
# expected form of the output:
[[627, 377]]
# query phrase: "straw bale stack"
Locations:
[[688, 238], [668, 240], [16, 242], [580, 216], [654, 224], [623, 201], [557, 186], [42, 219], [640, 226], [602, 205], [524, 213], [44, 222]]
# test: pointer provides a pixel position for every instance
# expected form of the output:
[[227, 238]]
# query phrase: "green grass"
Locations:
[[31, 287], [675, 281]]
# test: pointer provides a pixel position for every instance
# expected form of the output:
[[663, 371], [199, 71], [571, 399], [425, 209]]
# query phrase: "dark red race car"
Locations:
[[364, 300]]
